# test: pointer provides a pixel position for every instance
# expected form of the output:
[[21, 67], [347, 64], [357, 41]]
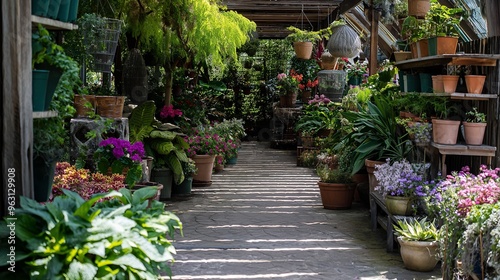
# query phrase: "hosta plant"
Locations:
[[73, 238]]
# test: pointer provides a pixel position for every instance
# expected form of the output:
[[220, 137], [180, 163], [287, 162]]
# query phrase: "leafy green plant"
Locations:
[[166, 146], [444, 21], [301, 35], [328, 175], [414, 30], [417, 230], [375, 134], [116, 235], [317, 117]]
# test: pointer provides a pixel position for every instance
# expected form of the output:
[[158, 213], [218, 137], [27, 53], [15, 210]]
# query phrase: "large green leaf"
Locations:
[[176, 167], [140, 121], [162, 147], [167, 135], [81, 271], [143, 194]]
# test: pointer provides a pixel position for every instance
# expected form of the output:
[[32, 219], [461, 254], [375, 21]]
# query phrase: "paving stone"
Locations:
[[263, 219]]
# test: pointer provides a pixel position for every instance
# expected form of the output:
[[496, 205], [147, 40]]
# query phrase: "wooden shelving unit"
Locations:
[[44, 114], [458, 95], [449, 59], [52, 24]]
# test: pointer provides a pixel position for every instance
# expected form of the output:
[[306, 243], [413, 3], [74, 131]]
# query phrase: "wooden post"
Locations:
[[17, 119], [373, 64]]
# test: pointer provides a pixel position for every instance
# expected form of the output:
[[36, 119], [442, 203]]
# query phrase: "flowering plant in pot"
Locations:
[[401, 183], [120, 156], [474, 127], [471, 198], [288, 83]]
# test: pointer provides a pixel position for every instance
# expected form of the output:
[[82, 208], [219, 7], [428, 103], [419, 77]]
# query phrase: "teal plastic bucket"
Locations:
[[425, 82], [53, 8], [39, 89], [73, 10], [39, 7], [63, 13]]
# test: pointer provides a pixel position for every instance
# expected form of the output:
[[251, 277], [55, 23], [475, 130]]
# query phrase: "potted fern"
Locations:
[[418, 239]]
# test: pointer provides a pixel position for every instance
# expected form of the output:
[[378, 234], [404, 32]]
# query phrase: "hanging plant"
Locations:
[[344, 42]]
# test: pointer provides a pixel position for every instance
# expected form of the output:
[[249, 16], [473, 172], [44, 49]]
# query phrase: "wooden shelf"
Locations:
[[52, 24], [45, 114], [449, 59], [458, 95]]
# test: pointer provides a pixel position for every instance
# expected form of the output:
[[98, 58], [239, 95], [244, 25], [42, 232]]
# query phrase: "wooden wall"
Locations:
[[492, 86], [17, 121]]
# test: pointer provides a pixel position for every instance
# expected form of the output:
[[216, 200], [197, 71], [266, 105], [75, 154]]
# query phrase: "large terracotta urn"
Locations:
[[204, 164]]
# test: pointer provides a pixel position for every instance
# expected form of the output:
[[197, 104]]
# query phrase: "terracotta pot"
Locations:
[[219, 163], [450, 83], [303, 50], [445, 131], [370, 167], [422, 48], [418, 8], [400, 56], [306, 96], [442, 45], [413, 50], [399, 205], [205, 164], [336, 195], [419, 255], [288, 100], [474, 133], [437, 84], [475, 83]]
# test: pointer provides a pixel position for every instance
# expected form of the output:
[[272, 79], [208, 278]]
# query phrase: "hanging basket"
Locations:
[[303, 50], [101, 39], [344, 42]]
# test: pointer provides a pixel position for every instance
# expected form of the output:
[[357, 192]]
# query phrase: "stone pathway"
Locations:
[[263, 219]]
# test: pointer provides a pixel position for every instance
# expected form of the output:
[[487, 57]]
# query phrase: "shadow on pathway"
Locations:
[[263, 219]]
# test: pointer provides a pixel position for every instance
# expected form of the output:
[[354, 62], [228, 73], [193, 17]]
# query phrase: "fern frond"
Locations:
[[141, 120]]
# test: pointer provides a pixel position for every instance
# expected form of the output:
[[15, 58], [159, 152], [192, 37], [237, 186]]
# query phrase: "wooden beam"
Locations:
[[373, 63], [344, 7], [17, 122]]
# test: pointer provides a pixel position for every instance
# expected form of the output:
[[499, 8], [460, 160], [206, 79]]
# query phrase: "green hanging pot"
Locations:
[[39, 89]]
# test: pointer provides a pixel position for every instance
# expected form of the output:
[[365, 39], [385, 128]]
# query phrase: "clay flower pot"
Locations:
[[303, 49], [475, 83], [445, 131], [450, 83], [474, 133], [419, 255]]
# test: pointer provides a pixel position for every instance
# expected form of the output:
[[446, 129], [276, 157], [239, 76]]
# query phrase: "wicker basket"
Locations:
[[79, 103], [110, 106]]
